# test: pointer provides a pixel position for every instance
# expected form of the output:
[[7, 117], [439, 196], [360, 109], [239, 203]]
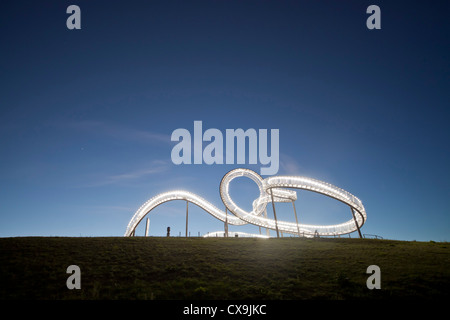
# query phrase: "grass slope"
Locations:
[[219, 268]]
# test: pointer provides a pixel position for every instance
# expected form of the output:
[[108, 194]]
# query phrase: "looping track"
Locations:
[[271, 189]]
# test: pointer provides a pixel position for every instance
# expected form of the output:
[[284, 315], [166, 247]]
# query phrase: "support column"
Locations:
[[274, 214], [187, 215], [267, 229], [356, 222], [296, 220], [226, 222], [147, 224]]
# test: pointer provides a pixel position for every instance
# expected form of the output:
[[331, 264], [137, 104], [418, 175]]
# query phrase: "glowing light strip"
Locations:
[[161, 198], [274, 184]]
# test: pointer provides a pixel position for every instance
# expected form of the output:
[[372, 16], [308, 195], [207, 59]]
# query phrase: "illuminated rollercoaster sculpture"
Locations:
[[272, 189]]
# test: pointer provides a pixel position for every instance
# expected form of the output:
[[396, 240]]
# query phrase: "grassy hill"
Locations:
[[219, 268]]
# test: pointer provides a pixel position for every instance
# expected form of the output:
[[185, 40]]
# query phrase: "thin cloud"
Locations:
[[119, 131], [135, 174], [108, 209], [289, 165], [156, 167]]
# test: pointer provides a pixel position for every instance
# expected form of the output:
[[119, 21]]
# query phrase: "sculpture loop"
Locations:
[[272, 189]]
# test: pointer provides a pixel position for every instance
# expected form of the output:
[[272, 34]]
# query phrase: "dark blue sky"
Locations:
[[86, 115]]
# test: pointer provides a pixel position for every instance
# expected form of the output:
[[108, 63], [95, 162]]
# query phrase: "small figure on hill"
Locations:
[[168, 231]]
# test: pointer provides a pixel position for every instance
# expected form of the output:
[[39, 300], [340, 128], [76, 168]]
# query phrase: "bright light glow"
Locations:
[[233, 234], [275, 185]]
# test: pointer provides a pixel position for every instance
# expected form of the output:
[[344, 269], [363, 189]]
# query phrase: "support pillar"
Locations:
[[296, 220], [356, 222], [267, 229], [226, 222], [187, 215], [274, 214], [147, 224]]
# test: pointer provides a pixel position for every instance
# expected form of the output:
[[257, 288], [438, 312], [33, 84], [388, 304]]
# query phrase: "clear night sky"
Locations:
[[86, 115]]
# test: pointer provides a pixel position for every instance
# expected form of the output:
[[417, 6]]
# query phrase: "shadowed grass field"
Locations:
[[221, 268]]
